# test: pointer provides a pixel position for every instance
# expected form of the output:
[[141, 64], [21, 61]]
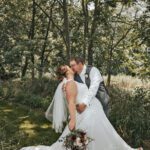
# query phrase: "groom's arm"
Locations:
[[96, 78]]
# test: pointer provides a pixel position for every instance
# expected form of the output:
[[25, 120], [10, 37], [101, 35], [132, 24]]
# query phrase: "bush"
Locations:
[[28, 99], [43, 87], [1, 91], [33, 101], [10, 89], [35, 94], [130, 114]]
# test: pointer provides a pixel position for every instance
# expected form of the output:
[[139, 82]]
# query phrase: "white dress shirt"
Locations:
[[96, 78]]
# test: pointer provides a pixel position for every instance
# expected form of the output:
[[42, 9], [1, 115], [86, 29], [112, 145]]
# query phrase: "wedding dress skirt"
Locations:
[[94, 121]]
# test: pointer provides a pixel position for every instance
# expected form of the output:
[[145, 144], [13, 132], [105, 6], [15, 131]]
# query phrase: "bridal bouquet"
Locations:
[[76, 140]]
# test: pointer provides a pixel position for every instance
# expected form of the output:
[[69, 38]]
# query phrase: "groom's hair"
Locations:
[[78, 60]]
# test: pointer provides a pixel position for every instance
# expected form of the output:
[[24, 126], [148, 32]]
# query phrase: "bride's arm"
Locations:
[[71, 93]]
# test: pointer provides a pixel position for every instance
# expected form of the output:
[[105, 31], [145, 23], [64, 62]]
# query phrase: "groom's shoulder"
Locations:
[[92, 67], [95, 69]]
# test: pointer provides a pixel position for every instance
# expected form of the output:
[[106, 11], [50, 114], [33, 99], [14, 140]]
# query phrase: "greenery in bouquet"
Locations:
[[76, 140]]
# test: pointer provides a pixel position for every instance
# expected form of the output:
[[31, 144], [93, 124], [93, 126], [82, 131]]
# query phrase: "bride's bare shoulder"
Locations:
[[71, 86], [71, 83]]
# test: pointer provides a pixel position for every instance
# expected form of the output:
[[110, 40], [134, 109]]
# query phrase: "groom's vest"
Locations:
[[102, 93]]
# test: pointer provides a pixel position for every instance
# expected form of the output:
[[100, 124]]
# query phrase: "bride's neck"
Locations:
[[70, 77]]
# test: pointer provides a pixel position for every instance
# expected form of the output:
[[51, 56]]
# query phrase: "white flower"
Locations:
[[78, 142], [86, 141], [75, 144]]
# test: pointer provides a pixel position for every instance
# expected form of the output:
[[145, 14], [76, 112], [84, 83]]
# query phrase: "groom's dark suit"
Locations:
[[102, 93]]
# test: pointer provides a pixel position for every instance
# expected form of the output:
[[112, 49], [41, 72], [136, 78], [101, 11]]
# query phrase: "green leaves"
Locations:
[[130, 114], [108, 36]]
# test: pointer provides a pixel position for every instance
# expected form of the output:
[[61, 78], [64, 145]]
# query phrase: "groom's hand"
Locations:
[[81, 107]]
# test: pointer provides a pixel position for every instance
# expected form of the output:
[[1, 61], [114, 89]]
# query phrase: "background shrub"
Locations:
[[130, 114], [35, 94]]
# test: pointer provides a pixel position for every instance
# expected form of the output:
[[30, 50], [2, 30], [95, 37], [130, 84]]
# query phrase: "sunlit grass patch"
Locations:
[[22, 126]]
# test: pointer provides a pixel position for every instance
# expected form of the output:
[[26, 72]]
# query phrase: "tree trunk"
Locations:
[[66, 29], [109, 67], [24, 69], [31, 37], [112, 47], [44, 47], [86, 28], [91, 39]]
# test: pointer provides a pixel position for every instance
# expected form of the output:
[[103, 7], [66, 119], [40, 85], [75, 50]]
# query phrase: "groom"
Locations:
[[90, 76]]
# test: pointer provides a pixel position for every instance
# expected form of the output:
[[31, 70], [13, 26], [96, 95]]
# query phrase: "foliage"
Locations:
[[35, 94], [38, 36], [1, 91], [34, 40], [130, 114]]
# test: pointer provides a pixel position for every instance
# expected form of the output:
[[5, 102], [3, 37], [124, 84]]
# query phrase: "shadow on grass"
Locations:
[[21, 126]]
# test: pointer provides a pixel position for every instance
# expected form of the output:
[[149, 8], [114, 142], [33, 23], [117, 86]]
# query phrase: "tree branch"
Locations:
[[121, 38], [60, 3], [61, 32]]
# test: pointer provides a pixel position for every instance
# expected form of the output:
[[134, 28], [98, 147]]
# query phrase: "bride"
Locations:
[[93, 120]]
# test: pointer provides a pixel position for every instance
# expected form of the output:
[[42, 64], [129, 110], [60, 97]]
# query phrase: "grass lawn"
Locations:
[[21, 126]]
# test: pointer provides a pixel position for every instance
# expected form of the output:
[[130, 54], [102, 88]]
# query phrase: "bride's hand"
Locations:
[[80, 107], [72, 125]]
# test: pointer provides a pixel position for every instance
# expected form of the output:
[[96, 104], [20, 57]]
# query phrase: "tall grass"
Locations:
[[128, 82]]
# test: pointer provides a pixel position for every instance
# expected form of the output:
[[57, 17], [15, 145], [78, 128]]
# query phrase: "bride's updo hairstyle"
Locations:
[[61, 72]]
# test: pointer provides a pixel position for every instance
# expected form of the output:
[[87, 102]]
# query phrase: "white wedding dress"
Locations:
[[92, 120]]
